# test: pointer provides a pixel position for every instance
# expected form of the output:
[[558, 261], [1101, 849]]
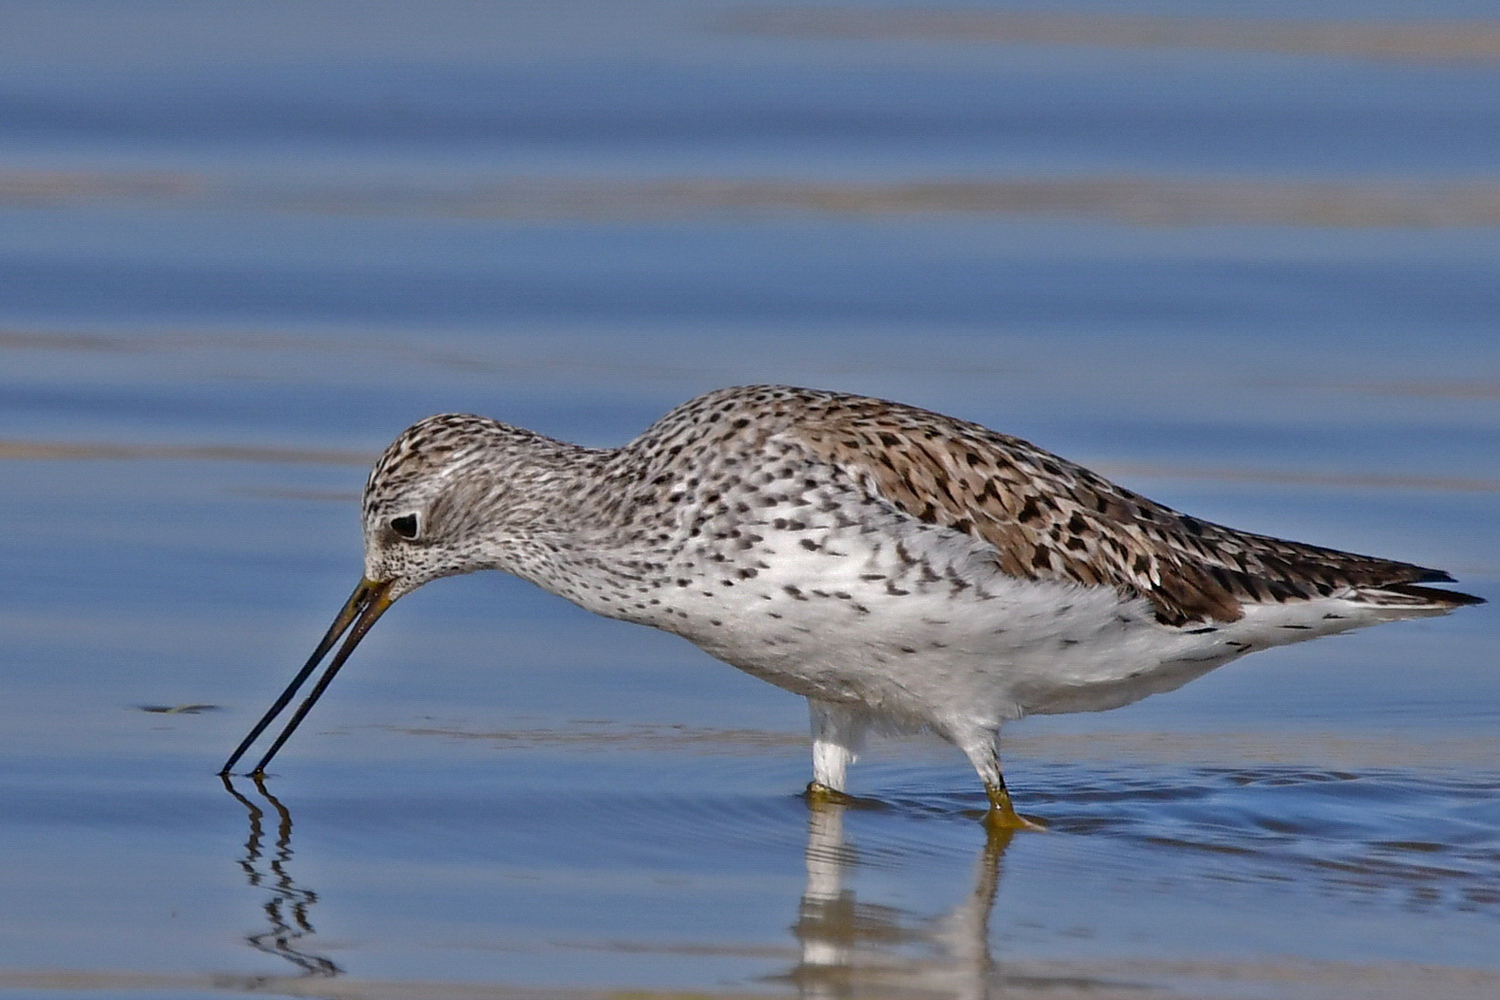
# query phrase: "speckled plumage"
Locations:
[[888, 563]]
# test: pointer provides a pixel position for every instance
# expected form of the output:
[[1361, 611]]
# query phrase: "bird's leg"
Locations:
[[985, 756], [838, 734]]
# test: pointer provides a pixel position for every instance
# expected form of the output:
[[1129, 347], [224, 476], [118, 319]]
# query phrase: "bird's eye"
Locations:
[[405, 525]]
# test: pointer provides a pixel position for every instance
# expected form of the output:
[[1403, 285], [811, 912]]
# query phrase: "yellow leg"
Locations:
[[819, 794], [1003, 815]]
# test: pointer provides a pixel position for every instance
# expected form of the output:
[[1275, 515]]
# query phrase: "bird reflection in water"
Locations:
[[851, 949], [848, 949], [287, 908]]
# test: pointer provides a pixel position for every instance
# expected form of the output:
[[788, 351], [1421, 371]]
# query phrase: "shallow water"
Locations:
[[241, 246]]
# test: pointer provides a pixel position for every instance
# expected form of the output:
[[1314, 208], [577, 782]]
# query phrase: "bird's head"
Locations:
[[452, 494], [442, 501]]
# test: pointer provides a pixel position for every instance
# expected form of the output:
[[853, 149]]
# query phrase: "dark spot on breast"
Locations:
[[809, 545]]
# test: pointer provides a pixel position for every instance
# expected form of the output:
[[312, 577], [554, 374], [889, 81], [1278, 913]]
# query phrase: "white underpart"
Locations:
[[935, 636]]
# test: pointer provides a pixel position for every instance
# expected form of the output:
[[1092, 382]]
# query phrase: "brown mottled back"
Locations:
[[1051, 519]]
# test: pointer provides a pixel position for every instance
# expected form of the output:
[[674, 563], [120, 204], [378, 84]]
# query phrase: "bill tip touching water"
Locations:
[[892, 565]]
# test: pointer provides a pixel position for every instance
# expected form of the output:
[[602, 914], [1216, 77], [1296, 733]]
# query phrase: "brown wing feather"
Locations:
[[1048, 518]]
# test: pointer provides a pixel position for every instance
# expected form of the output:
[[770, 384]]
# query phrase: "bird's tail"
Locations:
[[1401, 600]]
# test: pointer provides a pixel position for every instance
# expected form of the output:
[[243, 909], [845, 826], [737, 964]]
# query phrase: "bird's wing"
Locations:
[[1050, 519]]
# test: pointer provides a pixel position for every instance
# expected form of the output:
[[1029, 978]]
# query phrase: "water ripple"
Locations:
[[1419, 841]]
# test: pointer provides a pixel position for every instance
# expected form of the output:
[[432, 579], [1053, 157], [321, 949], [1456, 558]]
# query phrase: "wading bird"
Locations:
[[889, 564]]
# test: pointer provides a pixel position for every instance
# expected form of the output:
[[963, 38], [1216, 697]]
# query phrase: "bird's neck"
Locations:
[[599, 527]]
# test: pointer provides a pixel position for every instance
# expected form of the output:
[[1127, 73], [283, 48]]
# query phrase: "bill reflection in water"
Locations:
[[288, 907]]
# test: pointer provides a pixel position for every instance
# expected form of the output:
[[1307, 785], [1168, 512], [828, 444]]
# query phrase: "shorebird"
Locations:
[[894, 566]]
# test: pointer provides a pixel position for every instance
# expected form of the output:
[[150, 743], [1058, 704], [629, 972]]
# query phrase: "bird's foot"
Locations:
[[997, 820], [1003, 815], [818, 794]]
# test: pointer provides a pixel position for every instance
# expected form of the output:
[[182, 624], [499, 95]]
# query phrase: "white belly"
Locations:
[[986, 652], [920, 628]]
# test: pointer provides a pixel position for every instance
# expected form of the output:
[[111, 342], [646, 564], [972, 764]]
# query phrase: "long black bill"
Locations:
[[362, 610]]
